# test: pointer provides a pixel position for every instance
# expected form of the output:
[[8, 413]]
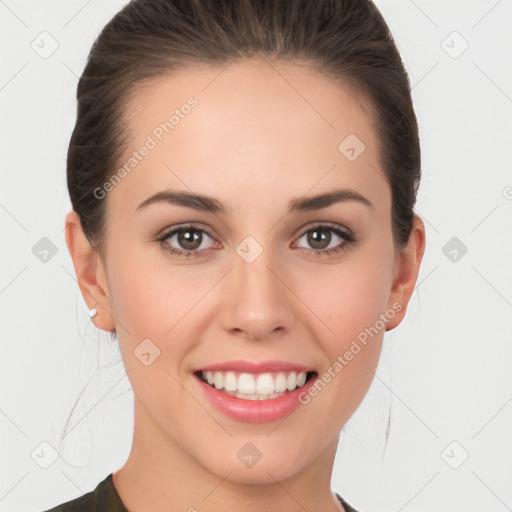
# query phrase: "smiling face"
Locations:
[[270, 274]]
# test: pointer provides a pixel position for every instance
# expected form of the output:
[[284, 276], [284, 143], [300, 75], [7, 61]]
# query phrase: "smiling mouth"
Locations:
[[255, 386]]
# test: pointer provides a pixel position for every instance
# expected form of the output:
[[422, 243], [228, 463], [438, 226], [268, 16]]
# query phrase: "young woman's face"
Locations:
[[255, 279]]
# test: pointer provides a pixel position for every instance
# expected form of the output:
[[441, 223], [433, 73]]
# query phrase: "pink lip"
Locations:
[[239, 365], [254, 411]]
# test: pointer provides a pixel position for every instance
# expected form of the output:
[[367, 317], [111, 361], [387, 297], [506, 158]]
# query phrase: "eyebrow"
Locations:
[[212, 205]]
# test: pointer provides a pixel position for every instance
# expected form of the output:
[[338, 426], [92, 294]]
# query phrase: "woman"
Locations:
[[243, 175]]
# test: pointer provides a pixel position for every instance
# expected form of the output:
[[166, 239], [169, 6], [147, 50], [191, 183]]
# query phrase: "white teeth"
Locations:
[[291, 381], [230, 382], [246, 384], [255, 386], [301, 379], [265, 384], [255, 396], [219, 380], [280, 383]]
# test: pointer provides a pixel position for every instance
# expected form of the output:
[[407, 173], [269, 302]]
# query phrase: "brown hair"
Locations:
[[347, 40]]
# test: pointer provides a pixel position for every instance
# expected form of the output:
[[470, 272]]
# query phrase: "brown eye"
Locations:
[[186, 241], [189, 239], [320, 238]]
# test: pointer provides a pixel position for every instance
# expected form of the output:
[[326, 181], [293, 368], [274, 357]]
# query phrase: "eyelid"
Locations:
[[327, 224], [167, 232]]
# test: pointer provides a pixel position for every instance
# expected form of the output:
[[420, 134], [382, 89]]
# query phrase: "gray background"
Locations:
[[445, 372]]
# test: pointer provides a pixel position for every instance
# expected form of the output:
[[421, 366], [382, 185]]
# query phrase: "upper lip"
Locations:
[[241, 365]]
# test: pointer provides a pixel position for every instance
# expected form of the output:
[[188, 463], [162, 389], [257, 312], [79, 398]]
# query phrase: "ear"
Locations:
[[90, 272], [406, 272]]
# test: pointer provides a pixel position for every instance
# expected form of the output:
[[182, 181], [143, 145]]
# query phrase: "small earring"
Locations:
[[93, 312]]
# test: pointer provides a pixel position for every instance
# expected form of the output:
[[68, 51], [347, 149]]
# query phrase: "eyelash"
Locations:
[[348, 239]]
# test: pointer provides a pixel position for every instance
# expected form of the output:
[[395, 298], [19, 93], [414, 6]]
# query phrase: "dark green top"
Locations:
[[105, 499]]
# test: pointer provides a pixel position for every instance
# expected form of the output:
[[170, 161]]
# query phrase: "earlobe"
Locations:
[[407, 270], [89, 270]]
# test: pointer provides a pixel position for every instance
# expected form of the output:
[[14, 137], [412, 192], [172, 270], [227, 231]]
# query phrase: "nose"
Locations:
[[258, 301]]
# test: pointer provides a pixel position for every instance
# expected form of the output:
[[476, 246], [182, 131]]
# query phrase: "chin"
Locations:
[[278, 465]]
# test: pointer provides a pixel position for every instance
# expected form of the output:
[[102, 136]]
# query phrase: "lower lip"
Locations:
[[255, 411]]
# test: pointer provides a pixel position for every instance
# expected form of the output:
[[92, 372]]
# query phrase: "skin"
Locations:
[[254, 143]]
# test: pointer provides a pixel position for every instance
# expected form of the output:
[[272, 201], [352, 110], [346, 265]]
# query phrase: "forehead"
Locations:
[[263, 125]]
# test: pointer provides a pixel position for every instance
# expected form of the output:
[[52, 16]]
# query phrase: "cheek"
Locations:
[[153, 303], [348, 298], [149, 297], [350, 333]]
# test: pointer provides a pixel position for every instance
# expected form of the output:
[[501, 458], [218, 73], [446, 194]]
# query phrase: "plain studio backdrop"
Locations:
[[445, 372]]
